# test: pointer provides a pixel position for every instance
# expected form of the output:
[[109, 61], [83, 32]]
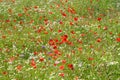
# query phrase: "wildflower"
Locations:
[[35, 7], [63, 61], [70, 66], [61, 22], [79, 41], [56, 40], [90, 58], [46, 21], [71, 23], [112, 63], [10, 10], [50, 12], [99, 26], [56, 51], [105, 28], [61, 67], [99, 40], [118, 39], [82, 35], [73, 32], [56, 62], [99, 19], [0, 49], [61, 74], [70, 43], [21, 55], [21, 22], [4, 73], [63, 14], [64, 38], [41, 59], [76, 19], [110, 33], [80, 48], [3, 36], [35, 53], [71, 10], [59, 30], [7, 21], [19, 67], [11, 59], [51, 42], [54, 47], [91, 46], [45, 32], [80, 64], [33, 63], [43, 47], [19, 15]]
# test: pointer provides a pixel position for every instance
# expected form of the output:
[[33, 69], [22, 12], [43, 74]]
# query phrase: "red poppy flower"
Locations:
[[71, 10], [99, 40], [56, 51], [90, 58], [4, 73], [61, 22], [61, 74], [19, 67], [64, 38], [35, 53], [19, 15], [99, 26], [71, 23], [11, 59], [59, 30], [50, 12], [76, 19], [63, 14], [73, 32], [56, 40], [51, 42], [36, 7], [110, 33], [118, 39], [54, 47], [7, 21], [99, 19], [46, 21], [63, 61], [80, 48], [41, 59], [33, 63], [82, 35], [70, 43], [70, 66], [61, 67]]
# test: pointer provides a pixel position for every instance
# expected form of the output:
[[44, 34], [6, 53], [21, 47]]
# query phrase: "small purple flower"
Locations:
[[49, 52], [43, 47]]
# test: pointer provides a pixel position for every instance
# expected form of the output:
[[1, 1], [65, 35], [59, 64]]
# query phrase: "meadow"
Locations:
[[59, 39]]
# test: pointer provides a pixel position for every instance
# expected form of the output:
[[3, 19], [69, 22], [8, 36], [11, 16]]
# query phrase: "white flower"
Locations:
[[112, 63], [57, 62], [80, 65]]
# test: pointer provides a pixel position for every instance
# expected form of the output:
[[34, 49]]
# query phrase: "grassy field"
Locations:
[[59, 39]]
